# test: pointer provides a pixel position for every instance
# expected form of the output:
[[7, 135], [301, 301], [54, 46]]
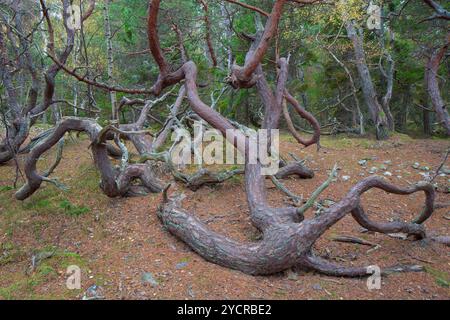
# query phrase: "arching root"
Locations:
[[287, 241]]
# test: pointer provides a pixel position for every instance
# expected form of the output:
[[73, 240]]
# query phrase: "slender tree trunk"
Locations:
[[209, 42], [402, 115], [110, 57], [369, 92], [387, 75], [228, 34], [353, 88], [432, 84], [301, 77], [426, 122], [385, 103]]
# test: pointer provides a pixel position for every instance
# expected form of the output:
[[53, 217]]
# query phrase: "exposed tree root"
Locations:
[[323, 266], [114, 181], [197, 180], [295, 198], [287, 242], [294, 168], [349, 239], [204, 177], [441, 239]]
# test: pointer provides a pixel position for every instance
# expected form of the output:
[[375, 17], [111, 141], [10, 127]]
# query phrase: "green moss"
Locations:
[[185, 259], [10, 253], [441, 278], [71, 209], [6, 188], [46, 270], [24, 288], [38, 204]]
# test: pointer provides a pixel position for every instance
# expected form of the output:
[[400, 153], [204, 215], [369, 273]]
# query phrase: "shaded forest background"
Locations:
[[323, 72]]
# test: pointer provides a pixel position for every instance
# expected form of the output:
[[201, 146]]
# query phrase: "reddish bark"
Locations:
[[243, 77], [305, 115], [208, 33]]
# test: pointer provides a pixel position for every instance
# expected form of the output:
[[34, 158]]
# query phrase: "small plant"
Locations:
[[9, 253], [440, 277], [71, 209], [6, 188], [38, 204]]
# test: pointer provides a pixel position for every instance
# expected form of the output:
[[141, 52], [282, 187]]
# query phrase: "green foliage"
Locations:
[[71, 209], [305, 33], [442, 278], [6, 188]]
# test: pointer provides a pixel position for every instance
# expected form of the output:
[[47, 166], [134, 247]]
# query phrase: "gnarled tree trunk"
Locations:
[[114, 182]]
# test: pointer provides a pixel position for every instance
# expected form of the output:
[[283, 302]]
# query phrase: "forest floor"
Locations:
[[122, 248]]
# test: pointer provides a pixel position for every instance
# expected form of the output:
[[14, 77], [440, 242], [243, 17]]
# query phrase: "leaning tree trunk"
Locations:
[[431, 81], [370, 95], [110, 59]]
